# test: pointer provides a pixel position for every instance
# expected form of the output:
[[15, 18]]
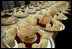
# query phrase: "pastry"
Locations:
[[44, 34], [60, 16], [30, 39], [26, 30], [26, 35], [30, 9], [21, 45], [20, 13], [9, 35], [59, 7], [23, 7], [42, 5], [44, 43], [11, 32], [50, 3], [51, 24], [47, 22], [35, 45], [10, 41], [6, 12], [32, 20], [8, 20]]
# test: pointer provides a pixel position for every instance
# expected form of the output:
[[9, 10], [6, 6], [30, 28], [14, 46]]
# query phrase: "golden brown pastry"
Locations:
[[46, 22], [30, 39], [21, 45], [59, 7], [44, 35], [20, 13], [8, 20], [26, 31], [10, 34], [44, 43], [35, 45], [50, 3], [10, 41], [6, 12], [32, 20], [60, 16], [30, 9]]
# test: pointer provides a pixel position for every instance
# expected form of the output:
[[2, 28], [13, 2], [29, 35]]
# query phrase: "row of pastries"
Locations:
[[47, 16]]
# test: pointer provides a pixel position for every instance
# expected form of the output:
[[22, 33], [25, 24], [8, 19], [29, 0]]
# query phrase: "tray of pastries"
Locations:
[[33, 25]]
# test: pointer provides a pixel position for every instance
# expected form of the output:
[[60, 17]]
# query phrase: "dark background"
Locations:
[[63, 39]]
